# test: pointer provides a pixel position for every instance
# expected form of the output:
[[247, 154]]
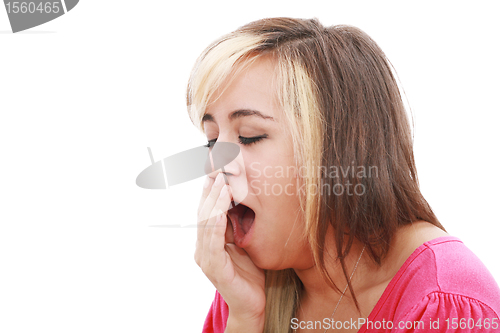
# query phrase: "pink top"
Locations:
[[441, 287]]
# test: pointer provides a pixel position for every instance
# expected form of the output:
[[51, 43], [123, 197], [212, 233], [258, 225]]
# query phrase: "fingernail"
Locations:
[[218, 180], [207, 182], [223, 192]]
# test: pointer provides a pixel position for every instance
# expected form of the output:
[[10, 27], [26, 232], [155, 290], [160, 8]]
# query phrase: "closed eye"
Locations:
[[242, 140]]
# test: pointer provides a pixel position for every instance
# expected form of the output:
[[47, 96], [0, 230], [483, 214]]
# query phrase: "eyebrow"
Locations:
[[238, 114]]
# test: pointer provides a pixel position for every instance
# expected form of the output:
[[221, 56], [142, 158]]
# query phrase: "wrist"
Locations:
[[245, 325]]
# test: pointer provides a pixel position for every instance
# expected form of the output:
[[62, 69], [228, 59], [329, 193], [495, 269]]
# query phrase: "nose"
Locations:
[[233, 169], [224, 158]]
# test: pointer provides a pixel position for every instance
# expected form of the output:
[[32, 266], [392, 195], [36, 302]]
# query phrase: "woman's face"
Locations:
[[263, 176]]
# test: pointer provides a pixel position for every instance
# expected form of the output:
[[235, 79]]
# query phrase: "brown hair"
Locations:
[[343, 106]]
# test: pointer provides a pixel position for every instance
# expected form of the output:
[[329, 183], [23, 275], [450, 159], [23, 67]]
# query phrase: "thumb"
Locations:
[[229, 231]]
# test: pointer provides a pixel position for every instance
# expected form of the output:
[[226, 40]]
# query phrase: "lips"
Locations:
[[242, 219]]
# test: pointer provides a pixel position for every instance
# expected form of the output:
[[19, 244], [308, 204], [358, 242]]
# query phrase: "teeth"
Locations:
[[233, 204]]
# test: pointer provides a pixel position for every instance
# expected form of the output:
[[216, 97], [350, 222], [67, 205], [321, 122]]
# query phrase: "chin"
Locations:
[[261, 258]]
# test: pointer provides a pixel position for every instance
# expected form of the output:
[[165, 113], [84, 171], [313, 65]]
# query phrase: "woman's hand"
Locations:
[[228, 267]]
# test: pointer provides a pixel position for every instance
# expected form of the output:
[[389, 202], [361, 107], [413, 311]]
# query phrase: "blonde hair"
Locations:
[[341, 104]]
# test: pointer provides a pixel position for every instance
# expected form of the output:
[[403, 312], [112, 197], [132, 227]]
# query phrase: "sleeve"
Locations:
[[445, 312], [217, 316]]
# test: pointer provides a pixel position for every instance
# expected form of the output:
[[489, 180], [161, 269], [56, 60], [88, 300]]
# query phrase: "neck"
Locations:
[[315, 286], [369, 279]]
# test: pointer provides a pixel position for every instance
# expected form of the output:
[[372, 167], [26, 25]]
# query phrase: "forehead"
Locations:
[[249, 92]]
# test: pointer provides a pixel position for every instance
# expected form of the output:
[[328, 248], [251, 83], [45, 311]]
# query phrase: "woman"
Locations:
[[330, 230]]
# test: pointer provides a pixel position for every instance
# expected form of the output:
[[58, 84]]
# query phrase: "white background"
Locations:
[[82, 97]]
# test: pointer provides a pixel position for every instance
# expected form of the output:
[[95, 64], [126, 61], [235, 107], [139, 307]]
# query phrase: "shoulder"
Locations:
[[441, 274], [460, 272], [443, 279], [446, 311]]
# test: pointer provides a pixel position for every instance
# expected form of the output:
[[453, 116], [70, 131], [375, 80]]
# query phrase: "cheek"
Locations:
[[264, 179], [281, 226], [282, 235], [282, 217]]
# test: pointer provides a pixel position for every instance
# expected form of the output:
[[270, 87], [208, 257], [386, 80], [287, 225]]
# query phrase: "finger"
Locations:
[[211, 228], [204, 215], [202, 220], [211, 199], [241, 260], [207, 186], [217, 252], [206, 218], [229, 236]]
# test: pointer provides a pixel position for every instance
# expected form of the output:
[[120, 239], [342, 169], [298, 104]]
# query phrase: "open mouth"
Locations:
[[242, 219]]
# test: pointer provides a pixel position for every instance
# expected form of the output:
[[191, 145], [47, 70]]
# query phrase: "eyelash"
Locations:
[[242, 140]]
